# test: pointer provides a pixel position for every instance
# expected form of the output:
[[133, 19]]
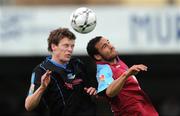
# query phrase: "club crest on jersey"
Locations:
[[71, 76], [118, 66], [102, 78]]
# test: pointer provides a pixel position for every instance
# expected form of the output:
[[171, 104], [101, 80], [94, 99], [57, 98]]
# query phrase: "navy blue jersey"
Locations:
[[65, 93]]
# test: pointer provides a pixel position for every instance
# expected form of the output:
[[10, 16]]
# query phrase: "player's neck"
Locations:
[[57, 60], [114, 61]]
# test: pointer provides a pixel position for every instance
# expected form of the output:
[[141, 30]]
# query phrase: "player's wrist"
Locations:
[[42, 88], [126, 74]]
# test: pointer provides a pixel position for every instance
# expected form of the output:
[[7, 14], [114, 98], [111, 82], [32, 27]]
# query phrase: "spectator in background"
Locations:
[[117, 82], [60, 83]]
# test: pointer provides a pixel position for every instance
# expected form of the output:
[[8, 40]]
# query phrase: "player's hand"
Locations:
[[135, 69], [90, 90], [45, 79]]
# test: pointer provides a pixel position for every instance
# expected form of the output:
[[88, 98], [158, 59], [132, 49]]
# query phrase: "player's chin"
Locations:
[[67, 58], [114, 54]]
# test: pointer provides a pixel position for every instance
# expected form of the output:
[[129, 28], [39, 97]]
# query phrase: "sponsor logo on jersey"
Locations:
[[71, 76]]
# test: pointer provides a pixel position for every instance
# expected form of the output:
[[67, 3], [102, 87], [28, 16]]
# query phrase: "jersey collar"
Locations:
[[64, 66], [104, 62]]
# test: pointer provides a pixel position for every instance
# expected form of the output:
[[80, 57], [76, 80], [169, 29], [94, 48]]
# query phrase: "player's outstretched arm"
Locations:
[[33, 99], [114, 88]]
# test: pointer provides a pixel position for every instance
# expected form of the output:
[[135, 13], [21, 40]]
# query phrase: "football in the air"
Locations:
[[83, 20]]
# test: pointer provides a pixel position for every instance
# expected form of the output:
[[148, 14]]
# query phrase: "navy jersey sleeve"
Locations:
[[90, 73], [87, 70], [41, 109], [35, 80]]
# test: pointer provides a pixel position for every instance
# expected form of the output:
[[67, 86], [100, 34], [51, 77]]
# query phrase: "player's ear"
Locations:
[[97, 57], [53, 47]]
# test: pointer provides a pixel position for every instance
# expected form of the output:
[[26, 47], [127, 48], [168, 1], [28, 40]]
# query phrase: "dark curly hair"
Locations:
[[56, 35], [91, 49]]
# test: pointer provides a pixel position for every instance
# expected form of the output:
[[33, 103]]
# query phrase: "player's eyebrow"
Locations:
[[104, 44]]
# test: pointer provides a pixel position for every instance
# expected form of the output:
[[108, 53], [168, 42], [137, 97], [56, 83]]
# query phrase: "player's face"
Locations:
[[63, 51], [106, 50]]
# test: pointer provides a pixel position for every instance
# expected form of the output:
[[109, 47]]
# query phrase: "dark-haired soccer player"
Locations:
[[117, 81], [60, 83]]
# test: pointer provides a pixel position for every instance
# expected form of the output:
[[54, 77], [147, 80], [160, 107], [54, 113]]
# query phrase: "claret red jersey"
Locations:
[[131, 99]]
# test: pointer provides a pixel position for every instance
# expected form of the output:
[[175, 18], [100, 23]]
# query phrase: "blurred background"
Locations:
[[143, 31]]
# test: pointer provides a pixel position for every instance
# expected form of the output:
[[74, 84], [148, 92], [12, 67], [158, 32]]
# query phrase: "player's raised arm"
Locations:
[[33, 99], [117, 84]]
